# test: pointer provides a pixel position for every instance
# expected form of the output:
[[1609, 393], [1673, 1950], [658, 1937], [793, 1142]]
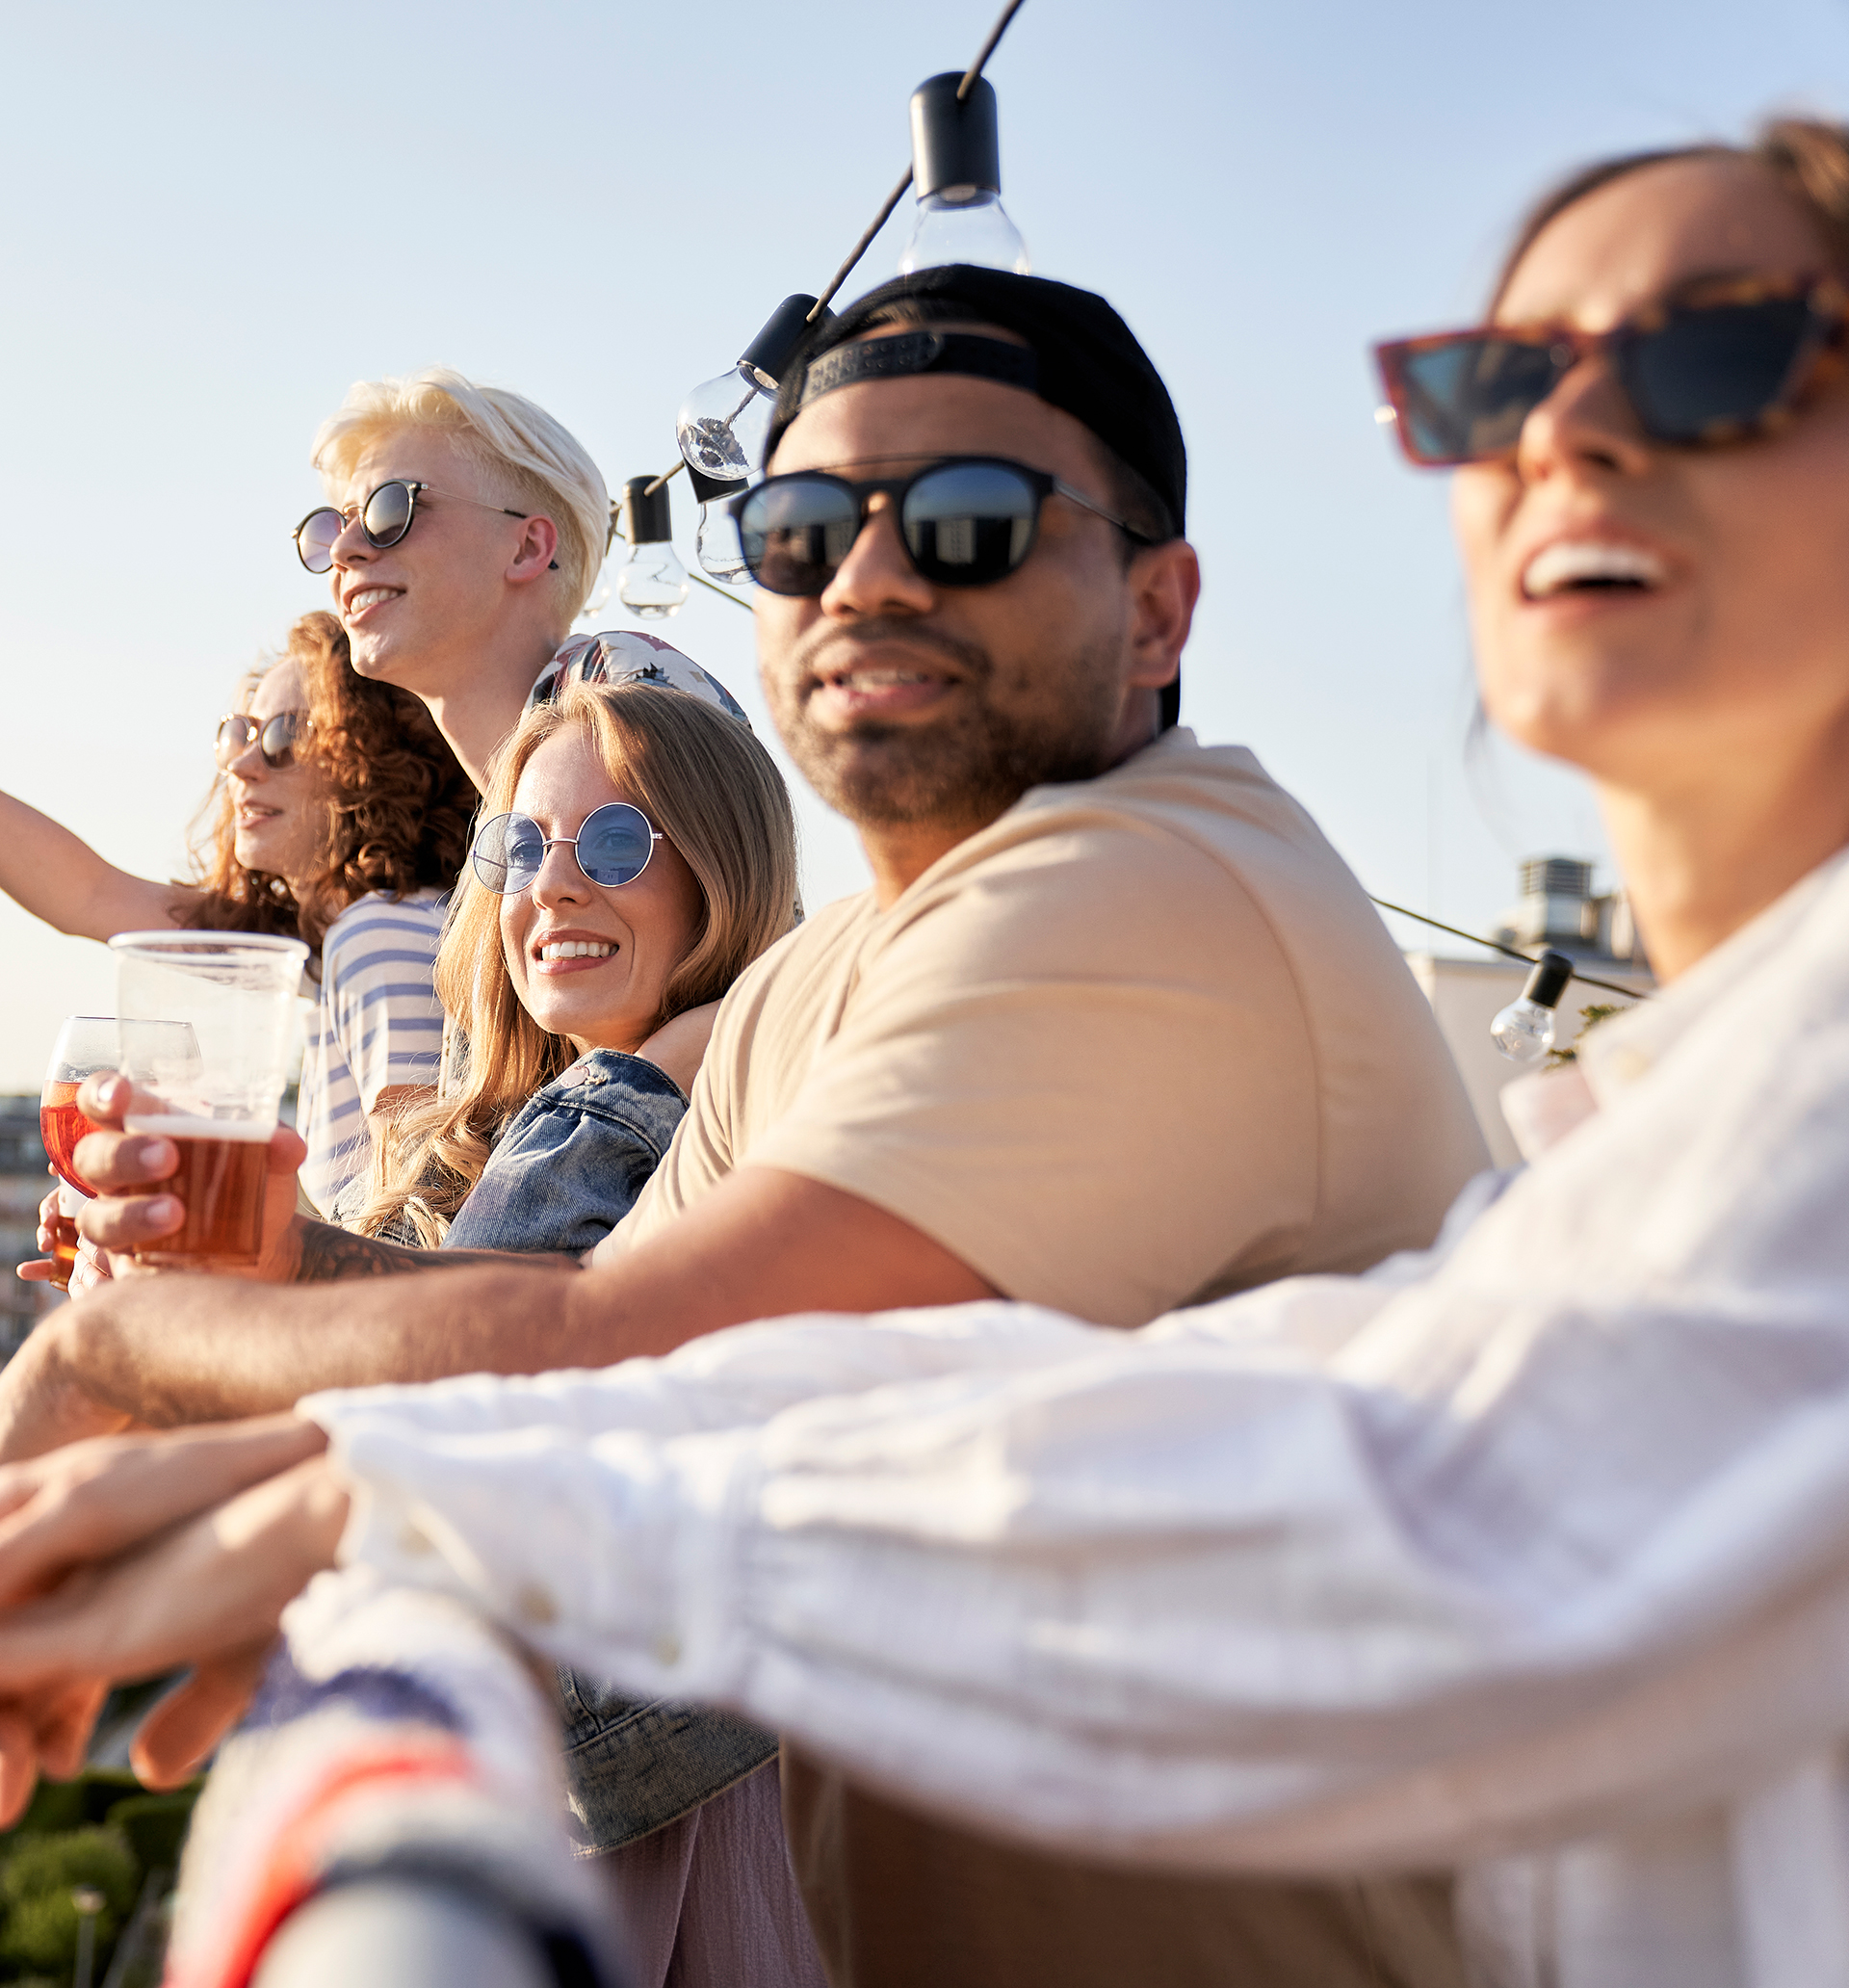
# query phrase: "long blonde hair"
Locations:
[[713, 792]]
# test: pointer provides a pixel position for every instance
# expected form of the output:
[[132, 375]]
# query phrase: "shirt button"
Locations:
[[532, 1604], [668, 1651], [1630, 1064], [413, 1539]]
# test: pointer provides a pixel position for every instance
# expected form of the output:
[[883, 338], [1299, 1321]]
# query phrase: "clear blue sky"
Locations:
[[218, 216]]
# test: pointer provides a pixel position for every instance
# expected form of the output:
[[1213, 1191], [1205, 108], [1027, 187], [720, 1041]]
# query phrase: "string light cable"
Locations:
[[886, 207], [1508, 952], [1525, 1031]]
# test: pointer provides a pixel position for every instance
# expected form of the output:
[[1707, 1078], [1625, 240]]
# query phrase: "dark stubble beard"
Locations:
[[969, 767]]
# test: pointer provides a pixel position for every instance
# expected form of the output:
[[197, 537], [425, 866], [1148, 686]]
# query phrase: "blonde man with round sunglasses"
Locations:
[[464, 530]]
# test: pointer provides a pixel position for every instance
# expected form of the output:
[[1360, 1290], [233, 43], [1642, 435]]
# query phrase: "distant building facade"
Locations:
[[23, 1184], [1559, 909]]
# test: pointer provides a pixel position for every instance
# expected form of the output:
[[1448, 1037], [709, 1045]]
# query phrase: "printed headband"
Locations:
[[921, 352]]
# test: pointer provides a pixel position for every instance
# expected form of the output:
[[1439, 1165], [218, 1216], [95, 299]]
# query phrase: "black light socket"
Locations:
[[705, 487], [646, 520], [955, 144], [1548, 980], [787, 326]]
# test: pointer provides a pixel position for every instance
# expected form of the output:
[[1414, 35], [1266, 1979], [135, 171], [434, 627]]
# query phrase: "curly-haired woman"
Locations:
[[341, 817]]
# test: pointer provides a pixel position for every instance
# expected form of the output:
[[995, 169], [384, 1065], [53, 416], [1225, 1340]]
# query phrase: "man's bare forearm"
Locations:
[[173, 1349], [181, 1349], [329, 1254]]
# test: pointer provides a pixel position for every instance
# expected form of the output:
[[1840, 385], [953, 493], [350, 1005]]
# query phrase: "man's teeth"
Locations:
[[368, 596], [1589, 562], [576, 949], [880, 679]]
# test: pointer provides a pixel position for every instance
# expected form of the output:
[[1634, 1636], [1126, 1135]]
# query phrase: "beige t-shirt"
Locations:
[[1140, 1042]]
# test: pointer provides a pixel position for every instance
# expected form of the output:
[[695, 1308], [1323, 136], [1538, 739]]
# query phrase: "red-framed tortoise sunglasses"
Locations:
[[1717, 363]]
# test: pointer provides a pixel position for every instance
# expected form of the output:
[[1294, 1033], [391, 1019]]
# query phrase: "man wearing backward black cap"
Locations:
[[1114, 1031]]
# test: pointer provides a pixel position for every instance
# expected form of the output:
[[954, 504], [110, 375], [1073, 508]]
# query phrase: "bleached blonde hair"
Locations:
[[534, 463]]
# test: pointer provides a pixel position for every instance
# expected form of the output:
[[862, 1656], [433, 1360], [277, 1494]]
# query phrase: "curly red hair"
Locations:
[[399, 803]]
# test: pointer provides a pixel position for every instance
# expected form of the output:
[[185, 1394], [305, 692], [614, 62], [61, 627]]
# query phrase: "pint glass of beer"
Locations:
[[218, 1102]]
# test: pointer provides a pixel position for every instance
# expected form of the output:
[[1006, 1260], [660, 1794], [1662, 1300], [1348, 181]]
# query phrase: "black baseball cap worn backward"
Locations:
[[1081, 357]]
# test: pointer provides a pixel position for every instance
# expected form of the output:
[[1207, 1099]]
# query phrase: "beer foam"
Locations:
[[239, 1130]]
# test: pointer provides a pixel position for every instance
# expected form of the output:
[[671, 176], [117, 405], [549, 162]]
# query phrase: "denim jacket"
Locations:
[[571, 1162], [564, 1173]]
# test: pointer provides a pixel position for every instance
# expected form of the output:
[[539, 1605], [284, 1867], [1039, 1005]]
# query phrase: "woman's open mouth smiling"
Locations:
[[572, 955], [1589, 565]]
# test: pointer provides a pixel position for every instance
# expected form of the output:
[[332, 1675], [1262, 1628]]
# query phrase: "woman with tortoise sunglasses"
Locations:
[[1650, 440], [1542, 1589]]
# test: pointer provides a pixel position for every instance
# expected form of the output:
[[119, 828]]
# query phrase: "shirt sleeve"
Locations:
[[1083, 1068], [1537, 1541], [381, 1006], [1180, 1592]]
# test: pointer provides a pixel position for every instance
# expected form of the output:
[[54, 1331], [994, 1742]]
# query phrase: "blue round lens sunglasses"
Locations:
[[612, 848]]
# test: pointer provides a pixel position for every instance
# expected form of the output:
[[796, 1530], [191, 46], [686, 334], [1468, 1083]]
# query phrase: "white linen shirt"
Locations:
[[1529, 1556]]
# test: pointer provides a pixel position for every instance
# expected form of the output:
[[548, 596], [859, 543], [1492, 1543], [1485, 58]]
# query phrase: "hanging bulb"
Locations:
[[599, 597], [1523, 1032], [956, 170], [715, 538], [652, 583], [715, 544], [604, 588], [722, 424]]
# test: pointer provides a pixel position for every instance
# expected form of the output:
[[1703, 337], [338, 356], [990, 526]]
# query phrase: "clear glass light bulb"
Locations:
[[717, 546], [1523, 1032], [652, 583], [602, 588], [964, 224], [722, 424]]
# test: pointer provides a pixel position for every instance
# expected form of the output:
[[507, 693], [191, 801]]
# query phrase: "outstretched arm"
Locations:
[[1171, 1595], [166, 1350], [58, 877]]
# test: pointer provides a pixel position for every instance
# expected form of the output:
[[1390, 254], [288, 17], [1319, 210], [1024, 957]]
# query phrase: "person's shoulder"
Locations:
[[818, 939], [378, 911], [379, 928], [1180, 806], [1177, 782], [603, 1079], [605, 1091]]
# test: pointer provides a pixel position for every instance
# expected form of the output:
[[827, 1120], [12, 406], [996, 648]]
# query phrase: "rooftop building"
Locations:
[[1559, 910], [23, 1184]]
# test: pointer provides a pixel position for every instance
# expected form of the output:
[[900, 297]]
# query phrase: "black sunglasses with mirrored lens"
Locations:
[[1701, 372], [612, 848], [386, 517], [277, 736], [965, 521]]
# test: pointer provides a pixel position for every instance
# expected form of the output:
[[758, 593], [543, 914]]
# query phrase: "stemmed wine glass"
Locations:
[[85, 1045]]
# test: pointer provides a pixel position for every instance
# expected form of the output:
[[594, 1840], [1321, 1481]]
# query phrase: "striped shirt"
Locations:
[[376, 1025]]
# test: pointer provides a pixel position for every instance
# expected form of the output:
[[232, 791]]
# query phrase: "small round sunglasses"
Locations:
[[386, 517], [278, 737], [966, 521], [1706, 369], [612, 848]]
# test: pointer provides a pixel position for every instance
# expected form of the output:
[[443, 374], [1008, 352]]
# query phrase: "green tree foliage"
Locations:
[[37, 1881], [1589, 1018], [104, 1831]]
